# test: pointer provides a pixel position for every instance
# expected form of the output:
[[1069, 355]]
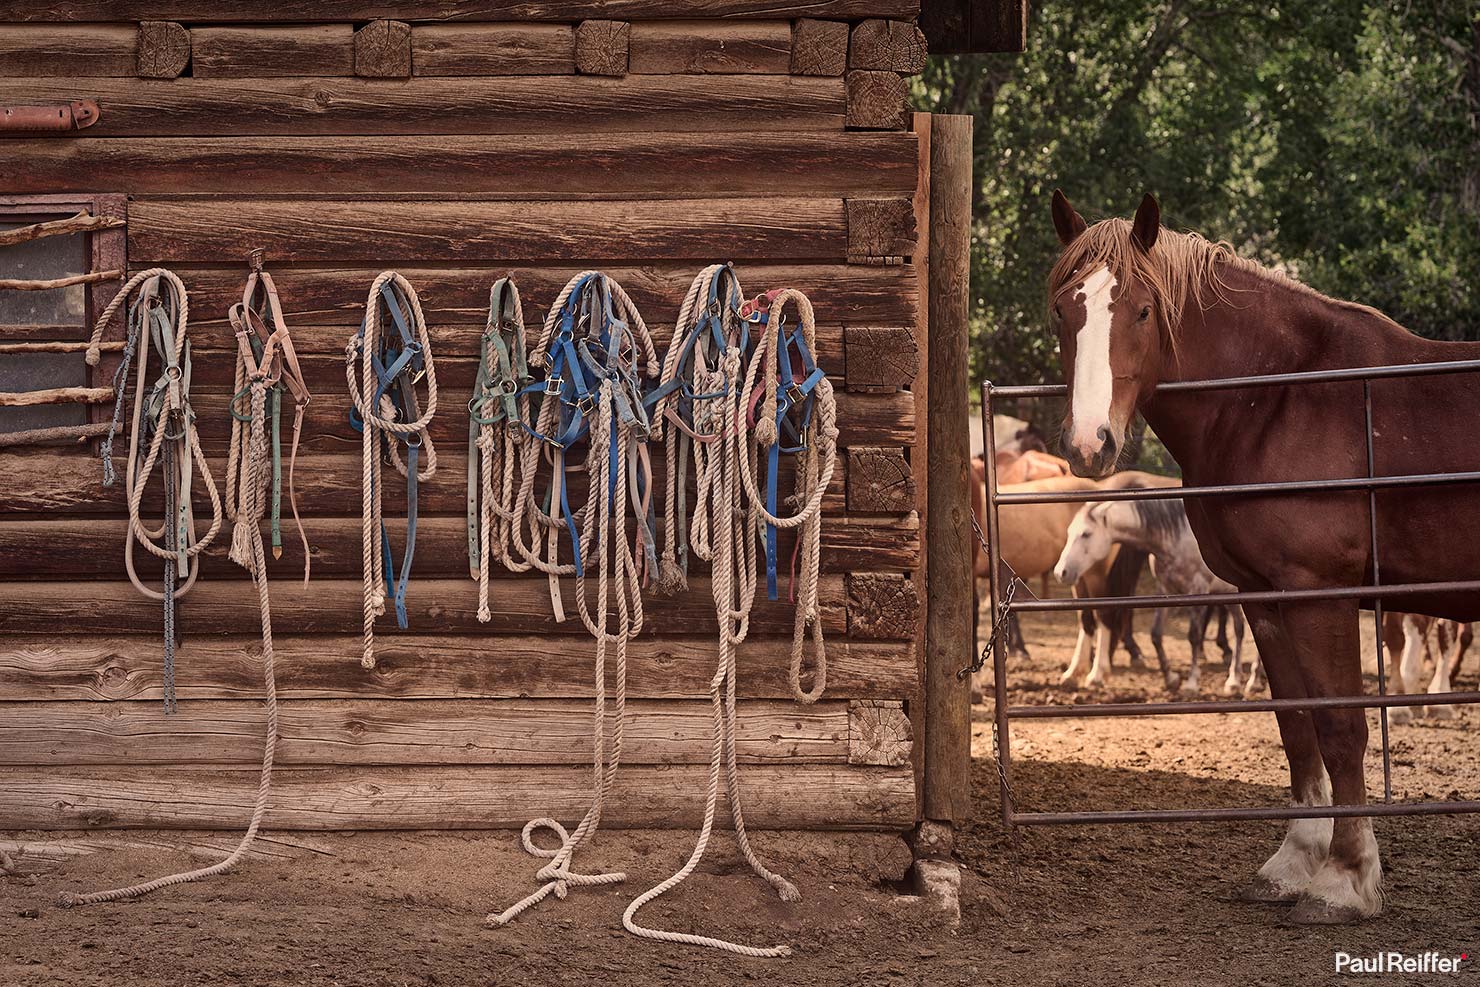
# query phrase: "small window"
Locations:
[[52, 315]]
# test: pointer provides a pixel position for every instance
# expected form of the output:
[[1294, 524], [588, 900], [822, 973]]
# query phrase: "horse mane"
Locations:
[[1161, 517]]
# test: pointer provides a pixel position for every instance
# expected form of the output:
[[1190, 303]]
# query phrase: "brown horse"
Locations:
[[1135, 305]]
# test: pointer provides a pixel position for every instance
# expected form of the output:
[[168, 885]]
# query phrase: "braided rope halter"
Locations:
[[597, 354]]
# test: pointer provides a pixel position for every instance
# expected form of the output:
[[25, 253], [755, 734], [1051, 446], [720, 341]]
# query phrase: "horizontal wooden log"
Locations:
[[164, 49], [412, 732], [654, 796], [890, 46], [819, 47], [667, 164], [517, 105], [840, 294], [223, 604], [80, 223], [110, 346], [880, 358], [268, 52], [391, 233], [55, 668], [383, 50], [881, 228], [94, 549], [877, 100], [882, 605], [53, 435], [719, 47], [68, 52], [327, 485], [510, 48], [880, 480], [49, 284], [603, 47], [313, 11], [878, 732], [56, 395]]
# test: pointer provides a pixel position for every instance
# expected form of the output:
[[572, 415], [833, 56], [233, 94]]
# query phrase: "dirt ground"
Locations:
[[1099, 905]]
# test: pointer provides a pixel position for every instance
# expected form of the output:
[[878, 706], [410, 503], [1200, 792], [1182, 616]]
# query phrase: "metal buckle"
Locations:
[[553, 385], [795, 395], [509, 386], [587, 405]]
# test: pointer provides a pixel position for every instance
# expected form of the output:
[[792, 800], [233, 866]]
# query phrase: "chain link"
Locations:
[[1004, 609]]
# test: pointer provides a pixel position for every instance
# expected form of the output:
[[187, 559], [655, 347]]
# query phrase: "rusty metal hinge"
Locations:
[[75, 115]]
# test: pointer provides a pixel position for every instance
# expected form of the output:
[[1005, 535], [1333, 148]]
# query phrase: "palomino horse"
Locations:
[[1135, 305]]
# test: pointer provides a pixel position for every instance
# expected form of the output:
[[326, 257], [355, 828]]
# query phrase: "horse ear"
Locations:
[[1066, 221], [1147, 223]]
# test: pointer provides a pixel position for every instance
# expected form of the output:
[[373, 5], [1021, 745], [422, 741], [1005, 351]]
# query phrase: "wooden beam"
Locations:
[[720, 47], [880, 358], [960, 27], [880, 481], [882, 605], [56, 395], [319, 11], [68, 52], [840, 797], [881, 230], [80, 223], [426, 666], [819, 47], [888, 46], [878, 732], [47, 284], [425, 733], [767, 163], [493, 49], [517, 105], [164, 49], [263, 52], [383, 50], [603, 47], [877, 101], [175, 231], [950, 602]]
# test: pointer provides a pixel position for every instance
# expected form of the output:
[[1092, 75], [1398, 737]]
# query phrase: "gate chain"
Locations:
[[1004, 610]]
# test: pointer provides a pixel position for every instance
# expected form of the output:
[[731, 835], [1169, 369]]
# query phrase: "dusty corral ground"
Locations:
[[1103, 905]]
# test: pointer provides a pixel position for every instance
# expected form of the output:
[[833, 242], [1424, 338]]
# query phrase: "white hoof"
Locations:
[[1190, 686], [1230, 687], [1095, 680], [1338, 895], [1067, 678]]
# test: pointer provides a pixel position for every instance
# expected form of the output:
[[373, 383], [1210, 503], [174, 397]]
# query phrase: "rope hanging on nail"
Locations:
[[496, 416], [384, 361], [162, 426], [790, 409], [598, 358], [701, 402]]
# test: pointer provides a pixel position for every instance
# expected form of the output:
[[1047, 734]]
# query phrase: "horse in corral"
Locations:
[[1135, 305], [1027, 466], [1159, 528], [1407, 635], [1016, 436]]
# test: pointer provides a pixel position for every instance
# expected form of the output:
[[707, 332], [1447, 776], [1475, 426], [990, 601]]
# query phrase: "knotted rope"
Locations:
[[382, 381], [265, 349], [593, 334], [700, 394], [792, 383], [496, 416], [158, 319], [248, 552]]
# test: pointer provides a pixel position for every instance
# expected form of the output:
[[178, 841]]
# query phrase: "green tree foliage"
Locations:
[[1339, 139]]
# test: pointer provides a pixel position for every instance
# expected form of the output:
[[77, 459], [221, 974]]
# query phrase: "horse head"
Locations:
[[1107, 299]]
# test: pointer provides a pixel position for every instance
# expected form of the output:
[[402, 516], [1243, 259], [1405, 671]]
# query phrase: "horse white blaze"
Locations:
[[1092, 377]]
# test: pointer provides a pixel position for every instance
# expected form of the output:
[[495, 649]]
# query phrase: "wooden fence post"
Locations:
[[948, 629]]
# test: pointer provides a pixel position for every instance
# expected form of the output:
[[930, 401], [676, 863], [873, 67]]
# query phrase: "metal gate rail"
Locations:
[[1376, 592]]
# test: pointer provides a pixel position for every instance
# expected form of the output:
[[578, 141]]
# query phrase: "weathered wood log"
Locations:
[[67, 51], [880, 229], [880, 481], [328, 485], [888, 46], [517, 105], [603, 47], [224, 604], [880, 358], [264, 52], [55, 435], [314, 11], [951, 598], [112, 346], [164, 49], [383, 50], [80, 223], [511, 48], [877, 101], [847, 294], [819, 47], [47, 284], [391, 233], [827, 796], [94, 549], [882, 605], [426, 666], [56, 395], [878, 732], [427, 732], [720, 47], [771, 163]]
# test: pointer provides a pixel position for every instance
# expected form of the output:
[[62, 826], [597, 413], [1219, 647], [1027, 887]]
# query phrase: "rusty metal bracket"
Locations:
[[76, 115]]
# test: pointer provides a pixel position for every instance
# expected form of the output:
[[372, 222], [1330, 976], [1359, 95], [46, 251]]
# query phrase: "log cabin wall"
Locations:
[[461, 141]]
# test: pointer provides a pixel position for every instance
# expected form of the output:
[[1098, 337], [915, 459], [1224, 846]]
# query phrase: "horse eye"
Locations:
[[1145, 313]]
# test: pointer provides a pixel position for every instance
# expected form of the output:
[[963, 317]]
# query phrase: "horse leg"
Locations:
[[1196, 628], [1017, 645], [1222, 639], [1327, 645], [1466, 638], [1255, 684], [1441, 682], [1080, 658], [1099, 674], [1307, 842], [1168, 677], [1234, 682], [1128, 638], [1409, 680]]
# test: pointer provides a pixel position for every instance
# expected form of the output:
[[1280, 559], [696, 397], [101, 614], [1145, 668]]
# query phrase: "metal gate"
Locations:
[[1000, 604]]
